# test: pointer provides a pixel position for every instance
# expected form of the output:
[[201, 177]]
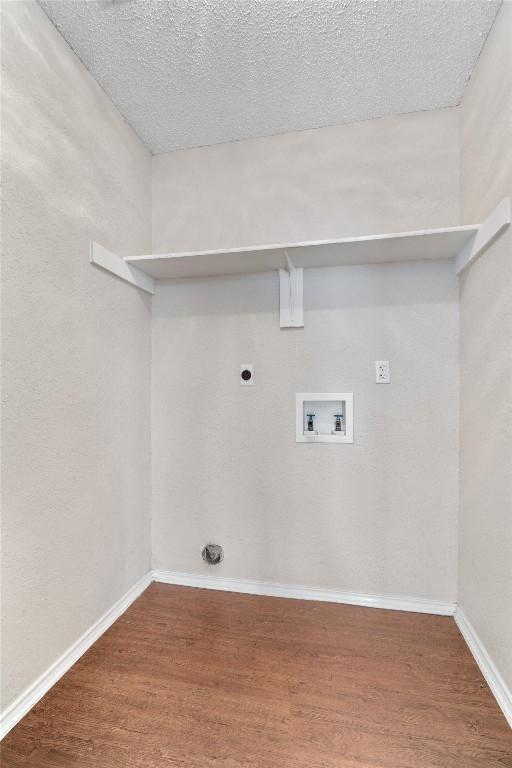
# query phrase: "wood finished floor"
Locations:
[[195, 678]]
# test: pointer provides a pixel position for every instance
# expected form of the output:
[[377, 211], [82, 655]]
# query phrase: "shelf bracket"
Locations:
[[487, 233], [291, 296], [109, 261]]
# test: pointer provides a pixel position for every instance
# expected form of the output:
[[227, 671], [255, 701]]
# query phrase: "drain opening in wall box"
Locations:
[[324, 417]]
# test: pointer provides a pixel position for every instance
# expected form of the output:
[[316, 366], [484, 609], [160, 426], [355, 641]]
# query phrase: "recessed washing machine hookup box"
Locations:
[[325, 417]]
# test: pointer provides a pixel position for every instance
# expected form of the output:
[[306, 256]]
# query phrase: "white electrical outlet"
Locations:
[[382, 375]]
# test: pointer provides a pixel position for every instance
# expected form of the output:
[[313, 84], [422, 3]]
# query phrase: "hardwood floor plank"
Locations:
[[193, 678]]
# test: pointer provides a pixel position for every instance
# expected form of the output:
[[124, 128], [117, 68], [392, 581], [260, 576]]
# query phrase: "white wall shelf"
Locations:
[[375, 249], [462, 244]]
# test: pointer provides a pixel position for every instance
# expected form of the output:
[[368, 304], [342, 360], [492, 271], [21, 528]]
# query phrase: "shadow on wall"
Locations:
[[324, 289]]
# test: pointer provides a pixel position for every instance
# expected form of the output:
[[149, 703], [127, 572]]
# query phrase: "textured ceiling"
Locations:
[[190, 72]]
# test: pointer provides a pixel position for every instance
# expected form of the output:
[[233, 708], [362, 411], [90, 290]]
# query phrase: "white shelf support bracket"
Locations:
[[487, 232], [291, 296], [109, 261]]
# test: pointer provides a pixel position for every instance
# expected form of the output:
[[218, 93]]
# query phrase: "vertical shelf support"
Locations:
[[291, 296]]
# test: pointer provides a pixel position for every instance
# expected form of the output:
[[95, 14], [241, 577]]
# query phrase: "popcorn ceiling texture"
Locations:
[[193, 72]]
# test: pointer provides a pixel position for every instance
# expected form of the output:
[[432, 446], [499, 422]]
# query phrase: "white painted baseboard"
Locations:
[[501, 691], [250, 587], [24, 703]]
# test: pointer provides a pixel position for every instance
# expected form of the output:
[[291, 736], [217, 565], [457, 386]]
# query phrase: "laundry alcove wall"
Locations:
[[365, 517]]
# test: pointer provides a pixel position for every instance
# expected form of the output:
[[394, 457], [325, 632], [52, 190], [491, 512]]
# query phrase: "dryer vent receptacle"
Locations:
[[212, 554]]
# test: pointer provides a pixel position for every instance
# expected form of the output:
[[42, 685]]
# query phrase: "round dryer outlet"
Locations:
[[212, 554]]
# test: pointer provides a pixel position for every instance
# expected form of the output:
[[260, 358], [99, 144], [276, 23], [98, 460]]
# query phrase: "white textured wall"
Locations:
[[388, 175], [377, 516], [76, 349], [485, 574]]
